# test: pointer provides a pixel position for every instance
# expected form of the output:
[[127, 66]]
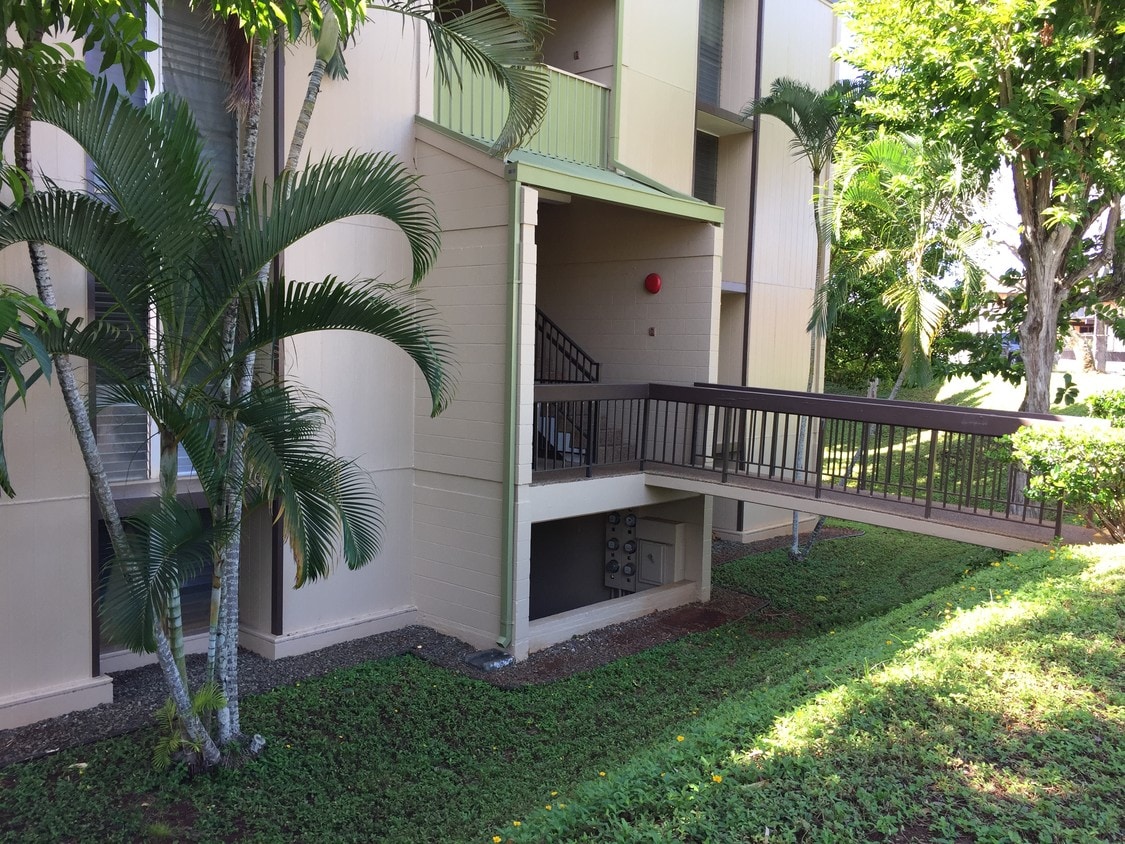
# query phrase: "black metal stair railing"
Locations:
[[558, 359], [932, 461]]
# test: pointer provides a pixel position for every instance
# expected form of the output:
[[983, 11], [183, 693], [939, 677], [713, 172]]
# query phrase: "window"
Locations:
[[192, 64], [710, 51], [706, 178]]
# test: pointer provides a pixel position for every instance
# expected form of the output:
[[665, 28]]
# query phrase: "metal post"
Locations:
[[930, 474], [725, 444], [592, 439]]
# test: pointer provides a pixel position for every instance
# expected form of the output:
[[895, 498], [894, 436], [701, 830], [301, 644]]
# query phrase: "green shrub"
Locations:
[[1109, 405], [1082, 467]]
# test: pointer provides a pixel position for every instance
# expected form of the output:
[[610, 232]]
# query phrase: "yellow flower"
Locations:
[[516, 823], [716, 778], [601, 773], [554, 793], [679, 738], [548, 807], [889, 642], [496, 839]]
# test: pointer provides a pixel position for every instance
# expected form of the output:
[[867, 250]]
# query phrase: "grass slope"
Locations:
[[989, 711], [814, 724]]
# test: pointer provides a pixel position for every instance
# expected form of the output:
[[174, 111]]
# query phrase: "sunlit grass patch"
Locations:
[[1005, 721]]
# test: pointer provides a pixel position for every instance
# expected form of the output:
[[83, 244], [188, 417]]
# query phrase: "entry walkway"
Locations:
[[930, 469]]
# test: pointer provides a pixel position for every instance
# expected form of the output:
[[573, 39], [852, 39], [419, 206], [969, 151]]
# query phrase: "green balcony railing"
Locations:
[[573, 129]]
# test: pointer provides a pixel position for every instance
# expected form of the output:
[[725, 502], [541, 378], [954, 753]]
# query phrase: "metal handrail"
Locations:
[[558, 359], [926, 457]]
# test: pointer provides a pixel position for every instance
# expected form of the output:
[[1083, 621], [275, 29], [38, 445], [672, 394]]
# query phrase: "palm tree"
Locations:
[[815, 118], [908, 204], [23, 357], [163, 257], [502, 40]]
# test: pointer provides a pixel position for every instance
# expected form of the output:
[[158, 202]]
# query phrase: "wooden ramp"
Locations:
[[932, 469], [948, 523]]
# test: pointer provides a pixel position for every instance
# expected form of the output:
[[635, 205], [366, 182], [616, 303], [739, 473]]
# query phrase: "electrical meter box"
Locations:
[[660, 552], [621, 551]]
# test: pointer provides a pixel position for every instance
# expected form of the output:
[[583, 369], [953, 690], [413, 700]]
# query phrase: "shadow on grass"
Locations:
[[1002, 721]]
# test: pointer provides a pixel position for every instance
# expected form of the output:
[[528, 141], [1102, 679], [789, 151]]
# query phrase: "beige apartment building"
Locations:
[[498, 531]]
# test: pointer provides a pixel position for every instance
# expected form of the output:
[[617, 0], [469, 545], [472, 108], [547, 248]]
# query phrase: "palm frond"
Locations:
[[94, 234], [323, 500], [148, 163], [113, 350], [335, 188], [392, 312], [813, 117], [501, 40], [171, 543]]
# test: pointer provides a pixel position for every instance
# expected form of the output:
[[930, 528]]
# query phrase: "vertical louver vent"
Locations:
[[710, 51]]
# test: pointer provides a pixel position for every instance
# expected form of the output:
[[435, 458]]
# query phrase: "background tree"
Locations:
[[814, 118], [902, 215], [1035, 85]]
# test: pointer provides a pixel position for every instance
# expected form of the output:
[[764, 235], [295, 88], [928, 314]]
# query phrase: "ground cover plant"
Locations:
[[400, 750], [991, 710]]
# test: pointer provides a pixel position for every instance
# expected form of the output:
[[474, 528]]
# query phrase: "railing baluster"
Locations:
[[930, 474], [578, 428]]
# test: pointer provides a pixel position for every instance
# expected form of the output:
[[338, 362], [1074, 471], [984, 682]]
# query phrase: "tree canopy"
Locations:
[[1034, 84]]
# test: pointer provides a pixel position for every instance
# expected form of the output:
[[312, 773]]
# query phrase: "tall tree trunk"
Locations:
[[1039, 334], [230, 561], [223, 639], [795, 550], [79, 414]]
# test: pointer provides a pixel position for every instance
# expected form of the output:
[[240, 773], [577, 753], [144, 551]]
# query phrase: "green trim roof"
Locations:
[[543, 171]]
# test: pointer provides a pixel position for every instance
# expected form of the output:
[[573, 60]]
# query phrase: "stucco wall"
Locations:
[[46, 615], [799, 35], [368, 383], [593, 259], [656, 89], [460, 456], [583, 38]]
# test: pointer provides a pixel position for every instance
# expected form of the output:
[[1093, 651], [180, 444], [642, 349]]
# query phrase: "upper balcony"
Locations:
[[574, 128]]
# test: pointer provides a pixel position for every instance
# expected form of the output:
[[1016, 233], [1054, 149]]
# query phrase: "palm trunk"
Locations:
[[79, 414], [795, 551], [173, 619], [178, 688], [222, 646], [72, 394], [297, 143], [230, 561]]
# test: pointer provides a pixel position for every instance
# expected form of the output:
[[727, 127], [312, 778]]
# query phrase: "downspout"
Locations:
[[755, 145], [615, 129], [277, 542], [511, 447]]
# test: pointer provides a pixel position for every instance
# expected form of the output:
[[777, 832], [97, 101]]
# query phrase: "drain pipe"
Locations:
[[755, 146], [507, 536]]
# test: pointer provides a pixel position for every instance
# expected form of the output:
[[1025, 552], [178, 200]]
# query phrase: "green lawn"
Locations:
[[994, 703], [996, 394], [992, 710]]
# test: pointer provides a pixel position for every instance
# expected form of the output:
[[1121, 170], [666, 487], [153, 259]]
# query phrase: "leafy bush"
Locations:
[[1109, 405], [1082, 467]]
